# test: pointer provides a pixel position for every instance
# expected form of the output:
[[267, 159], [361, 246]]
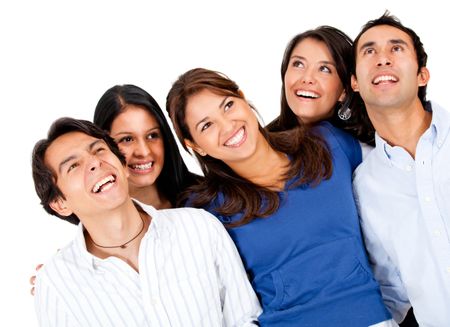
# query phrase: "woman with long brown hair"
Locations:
[[287, 201]]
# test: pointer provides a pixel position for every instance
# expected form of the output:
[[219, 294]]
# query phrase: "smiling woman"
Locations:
[[157, 173], [287, 206]]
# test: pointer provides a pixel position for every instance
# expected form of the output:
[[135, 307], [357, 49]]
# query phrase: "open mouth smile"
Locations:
[[104, 184], [237, 139]]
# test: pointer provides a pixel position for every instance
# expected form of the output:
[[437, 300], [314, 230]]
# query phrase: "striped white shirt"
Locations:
[[190, 274]]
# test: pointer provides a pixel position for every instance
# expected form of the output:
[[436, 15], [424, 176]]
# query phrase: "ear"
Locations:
[[354, 82], [423, 77], [191, 145], [342, 96], [59, 205]]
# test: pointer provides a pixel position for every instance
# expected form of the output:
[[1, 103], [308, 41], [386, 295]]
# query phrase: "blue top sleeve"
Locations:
[[336, 137]]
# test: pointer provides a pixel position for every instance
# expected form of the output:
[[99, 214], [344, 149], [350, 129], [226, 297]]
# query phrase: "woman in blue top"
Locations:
[[316, 73], [287, 200]]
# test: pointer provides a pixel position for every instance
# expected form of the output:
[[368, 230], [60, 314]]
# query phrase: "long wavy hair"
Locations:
[[310, 157], [339, 45]]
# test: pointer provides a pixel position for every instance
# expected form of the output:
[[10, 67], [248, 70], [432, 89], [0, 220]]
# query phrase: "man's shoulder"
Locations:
[[67, 257], [368, 166], [187, 217]]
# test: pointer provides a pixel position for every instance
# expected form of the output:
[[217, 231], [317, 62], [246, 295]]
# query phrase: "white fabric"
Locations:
[[190, 274]]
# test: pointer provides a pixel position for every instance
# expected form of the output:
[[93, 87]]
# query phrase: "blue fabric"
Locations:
[[405, 215], [307, 261]]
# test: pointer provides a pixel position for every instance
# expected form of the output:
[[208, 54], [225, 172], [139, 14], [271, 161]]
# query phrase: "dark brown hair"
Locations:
[[310, 158], [45, 178], [421, 55], [175, 176], [339, 45]]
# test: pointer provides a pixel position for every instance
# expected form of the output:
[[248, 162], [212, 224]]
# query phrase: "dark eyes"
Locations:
[[228, 105], [72, 166], [297, 63], [153, 135], [395, 48], [205, 126], [125, 139], [325, 69]]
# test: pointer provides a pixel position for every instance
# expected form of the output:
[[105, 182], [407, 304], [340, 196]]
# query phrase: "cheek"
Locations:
[[289, 81], [158, 149]]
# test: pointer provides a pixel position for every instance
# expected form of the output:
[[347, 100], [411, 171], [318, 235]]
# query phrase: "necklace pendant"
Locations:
[[123, 246]]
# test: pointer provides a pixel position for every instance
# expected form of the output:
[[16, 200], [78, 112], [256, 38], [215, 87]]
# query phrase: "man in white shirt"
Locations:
[[402, 188], [130, 264]]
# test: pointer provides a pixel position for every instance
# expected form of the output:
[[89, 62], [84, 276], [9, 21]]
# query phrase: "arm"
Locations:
[[239, 302], [49, 309], [392, 289]]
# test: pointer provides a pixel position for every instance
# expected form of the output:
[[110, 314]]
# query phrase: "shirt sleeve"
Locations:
[[336, 137], [49, 309], [392, 289], [240, 305]]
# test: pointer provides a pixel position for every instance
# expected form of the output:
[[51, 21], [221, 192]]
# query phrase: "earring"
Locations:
[[344, 112], [202, 153]]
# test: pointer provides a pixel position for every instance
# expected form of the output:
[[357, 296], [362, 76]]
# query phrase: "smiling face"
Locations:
[[387, 68], [312, 84], [89, 175], [223, 127], [139, 138]]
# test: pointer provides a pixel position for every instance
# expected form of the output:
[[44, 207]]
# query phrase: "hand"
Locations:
[[33, 278]]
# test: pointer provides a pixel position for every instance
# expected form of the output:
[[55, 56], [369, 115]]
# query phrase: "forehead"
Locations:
[[382, 34], [133, 116], [201, 101], [65, 146], [311, 47]]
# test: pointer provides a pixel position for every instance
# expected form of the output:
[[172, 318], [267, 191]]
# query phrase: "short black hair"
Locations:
[[44, 178]]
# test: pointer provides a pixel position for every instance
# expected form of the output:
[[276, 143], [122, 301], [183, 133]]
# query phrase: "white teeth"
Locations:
[[236, 138], [384, 78], [143, 166], [99, 184], [307, 94]]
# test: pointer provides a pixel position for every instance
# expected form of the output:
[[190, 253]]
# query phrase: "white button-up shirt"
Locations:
[[190, 274], [404, 206]]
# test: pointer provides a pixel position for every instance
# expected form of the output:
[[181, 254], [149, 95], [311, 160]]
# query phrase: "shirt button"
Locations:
[[448, 270], [408, 168], [154, 300], [427, 199], [437, 232]]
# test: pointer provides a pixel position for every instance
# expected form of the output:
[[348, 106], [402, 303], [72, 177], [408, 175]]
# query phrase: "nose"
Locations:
[[308, 76], [226, 125], [94, 163], [141, 148], [384, 59]]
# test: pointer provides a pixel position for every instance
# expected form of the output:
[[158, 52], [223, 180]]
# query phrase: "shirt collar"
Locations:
[[157, 227], [437, 132]]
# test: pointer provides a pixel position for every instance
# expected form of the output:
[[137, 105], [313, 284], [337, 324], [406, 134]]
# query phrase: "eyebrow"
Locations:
[[320, 62], [372, 43], [72, 157], [220, 106], [128, 133]]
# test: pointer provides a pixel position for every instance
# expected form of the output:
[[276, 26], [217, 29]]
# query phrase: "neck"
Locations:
[[265, 168], [106, 232], [401, 126], [150, 195]]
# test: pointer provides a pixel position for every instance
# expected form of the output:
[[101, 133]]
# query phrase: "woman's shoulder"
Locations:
[[337, 138]]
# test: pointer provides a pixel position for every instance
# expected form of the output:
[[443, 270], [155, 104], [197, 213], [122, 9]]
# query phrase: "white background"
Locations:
[[58, 57]]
